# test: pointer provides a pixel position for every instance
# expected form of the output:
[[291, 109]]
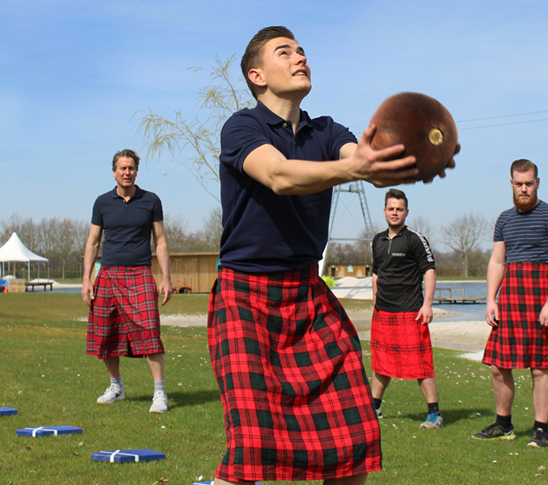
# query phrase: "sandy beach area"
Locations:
[[466, 336]]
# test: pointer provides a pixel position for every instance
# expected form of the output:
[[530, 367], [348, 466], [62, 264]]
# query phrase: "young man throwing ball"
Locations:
[[286, 357]]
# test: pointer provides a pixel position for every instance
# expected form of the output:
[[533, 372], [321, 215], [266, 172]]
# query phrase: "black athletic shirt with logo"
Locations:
[[400, 264]]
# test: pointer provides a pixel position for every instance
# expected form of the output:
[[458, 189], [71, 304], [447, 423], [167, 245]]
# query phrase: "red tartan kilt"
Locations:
[[400, 346], [288, 362], [520, 342], [124, 318]]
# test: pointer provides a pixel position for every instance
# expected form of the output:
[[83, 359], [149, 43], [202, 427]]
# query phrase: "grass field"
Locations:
[[49, 379]]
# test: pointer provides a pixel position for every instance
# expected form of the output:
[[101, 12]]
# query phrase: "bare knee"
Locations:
[[501, 374], [539, 373]]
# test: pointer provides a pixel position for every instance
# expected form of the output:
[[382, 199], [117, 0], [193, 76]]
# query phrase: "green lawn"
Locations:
[[49, 379]]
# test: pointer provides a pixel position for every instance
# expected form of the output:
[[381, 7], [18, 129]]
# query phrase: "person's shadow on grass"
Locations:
[[451, 416], [185, 398]]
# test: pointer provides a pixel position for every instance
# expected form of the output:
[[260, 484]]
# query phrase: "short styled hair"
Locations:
[[254, 50], [395, 194], [128, 154], [523, 165]]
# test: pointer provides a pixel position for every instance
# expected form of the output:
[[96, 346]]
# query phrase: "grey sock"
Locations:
[[117, 381], [159, 386]]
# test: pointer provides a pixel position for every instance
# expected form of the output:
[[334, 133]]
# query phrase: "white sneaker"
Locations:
[[112, 394], [159, 403]]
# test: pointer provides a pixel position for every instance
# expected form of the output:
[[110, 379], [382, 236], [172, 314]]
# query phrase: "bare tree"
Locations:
[[177, 233], [25, 229], [65, 242], [422, 225], [213, 229], [46, 235], [224, 95], [82, 232], [358, 252], [366, 241], [465, 235], [345, 253], [61, 241]]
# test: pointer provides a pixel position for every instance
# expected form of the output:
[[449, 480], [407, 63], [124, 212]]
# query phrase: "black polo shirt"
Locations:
[[400, 264], [127, 226], [265, 232]]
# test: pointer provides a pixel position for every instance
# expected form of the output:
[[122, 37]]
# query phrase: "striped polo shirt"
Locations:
[[525, 234]]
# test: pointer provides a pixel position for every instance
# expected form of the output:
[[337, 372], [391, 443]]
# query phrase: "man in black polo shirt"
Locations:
[[400, 339], [124, 318]]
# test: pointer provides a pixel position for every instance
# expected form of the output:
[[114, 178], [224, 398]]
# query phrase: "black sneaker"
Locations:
[[495, 432], [539, 438]]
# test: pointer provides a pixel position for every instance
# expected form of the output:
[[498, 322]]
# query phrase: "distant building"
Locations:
[[190, 272], [196, 272], [356, 270]]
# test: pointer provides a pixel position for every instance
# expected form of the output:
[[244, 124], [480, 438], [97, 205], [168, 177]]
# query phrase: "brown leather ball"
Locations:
[[423, 125]]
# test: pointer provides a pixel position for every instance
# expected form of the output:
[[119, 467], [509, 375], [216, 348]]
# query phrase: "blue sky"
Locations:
[[74, 73]]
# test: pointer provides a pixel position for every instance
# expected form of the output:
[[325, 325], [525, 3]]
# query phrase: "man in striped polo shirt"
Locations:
[[519, 338]]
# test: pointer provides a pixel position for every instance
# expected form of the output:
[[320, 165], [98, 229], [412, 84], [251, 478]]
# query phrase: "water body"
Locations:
[[459, 311], [465, 311]]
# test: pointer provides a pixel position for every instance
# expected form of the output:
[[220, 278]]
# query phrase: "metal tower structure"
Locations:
[[357, 188]]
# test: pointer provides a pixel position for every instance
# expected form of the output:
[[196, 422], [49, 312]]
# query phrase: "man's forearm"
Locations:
[[429, 287], [90, 257], [162, 253], [495, 274]]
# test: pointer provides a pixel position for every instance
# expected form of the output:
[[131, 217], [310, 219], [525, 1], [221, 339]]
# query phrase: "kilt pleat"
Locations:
[[288, 362], [124, 318], [400, 346], [519, 341]]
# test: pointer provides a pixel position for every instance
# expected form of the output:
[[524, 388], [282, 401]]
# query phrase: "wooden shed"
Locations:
[[190, 272], [356, 270]]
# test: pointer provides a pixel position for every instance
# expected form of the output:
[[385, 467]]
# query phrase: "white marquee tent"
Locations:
[[15, 251]]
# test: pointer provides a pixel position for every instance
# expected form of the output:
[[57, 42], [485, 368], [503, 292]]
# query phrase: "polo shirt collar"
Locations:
[[138, 193], [273, 119]]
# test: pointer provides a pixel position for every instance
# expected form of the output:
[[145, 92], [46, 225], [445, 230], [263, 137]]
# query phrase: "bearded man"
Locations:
[[519, 337]]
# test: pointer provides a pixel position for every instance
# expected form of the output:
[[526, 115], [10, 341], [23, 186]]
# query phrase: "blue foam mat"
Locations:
[[123, 456], [39, 431], [7, 411]]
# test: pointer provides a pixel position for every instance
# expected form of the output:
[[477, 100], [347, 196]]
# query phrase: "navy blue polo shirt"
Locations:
[[400, 264], [265, 232], [127, 226]]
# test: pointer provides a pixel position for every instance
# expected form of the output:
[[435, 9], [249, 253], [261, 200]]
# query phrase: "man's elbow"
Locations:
[[91, 248], [282, 189], [285, 186]]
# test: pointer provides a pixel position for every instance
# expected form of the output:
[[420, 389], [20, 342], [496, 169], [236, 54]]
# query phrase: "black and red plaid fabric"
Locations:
[[400, 346], [123, 318], [520, 342], [288, 362]]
